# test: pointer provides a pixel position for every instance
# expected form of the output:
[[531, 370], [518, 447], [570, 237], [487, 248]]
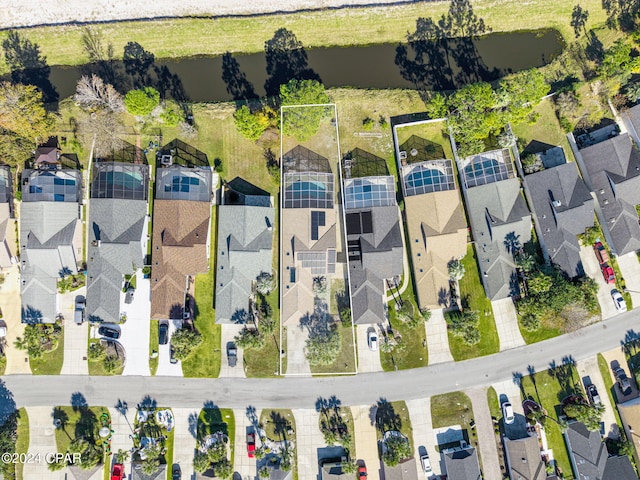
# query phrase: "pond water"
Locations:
[[442, 65]]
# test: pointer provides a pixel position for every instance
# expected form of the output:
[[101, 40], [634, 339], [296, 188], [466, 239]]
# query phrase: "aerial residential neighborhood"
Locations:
[[320, 240]]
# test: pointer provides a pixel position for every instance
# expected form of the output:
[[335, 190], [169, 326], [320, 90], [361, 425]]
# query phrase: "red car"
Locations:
[[607, 273], [362, 472], [117, 473], [251, 444]]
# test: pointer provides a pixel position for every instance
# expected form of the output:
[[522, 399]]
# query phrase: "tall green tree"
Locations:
[[396, 449], [22, 113], [304, 122]]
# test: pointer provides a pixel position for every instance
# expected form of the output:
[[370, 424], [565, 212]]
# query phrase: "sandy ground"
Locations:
[[19, 13]]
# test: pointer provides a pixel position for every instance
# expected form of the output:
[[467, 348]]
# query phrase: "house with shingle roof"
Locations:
[[612, 171], [117, 228], [374, 237], [181, 229], [590, 458], [462, 464], [245, 242], [563, 208], [499, 218], [524, 460], [50, 235]]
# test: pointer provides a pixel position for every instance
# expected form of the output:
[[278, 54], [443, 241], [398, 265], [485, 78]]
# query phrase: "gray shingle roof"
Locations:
[[47, 231], [119, 225], [524, 460], [373, 257], [462, 464], [613, 166], [245, 240], [499, 217], [563, 209]]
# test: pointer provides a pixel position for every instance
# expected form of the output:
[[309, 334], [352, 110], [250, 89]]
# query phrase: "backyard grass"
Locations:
[[22, 441], [454, 409], [435, 132], [393, 416], [153, 346], [494, 403], [549, 388], [213, 419], [473, 297], [342, 27], [49, 363]]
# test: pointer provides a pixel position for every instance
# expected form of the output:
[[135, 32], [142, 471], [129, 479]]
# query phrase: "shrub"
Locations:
[[141, 102], [183, 341], [172, 114], [97, 351], [368, 124], [530, 322], [465, 325], [265, 283]]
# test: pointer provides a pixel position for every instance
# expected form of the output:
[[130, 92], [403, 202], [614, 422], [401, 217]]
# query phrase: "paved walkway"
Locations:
[[309, 440], [242, 464], [423, 437], [437, 338], [17, 360], [297, 363], [228, 334], [121, 439], [590, 374], [135, 331], [485, 433], [42, 441], [592, 269], [184, 440], [76, 336], [366, 441], [504, 312], [368, 361], [630, 269], [165, 367]]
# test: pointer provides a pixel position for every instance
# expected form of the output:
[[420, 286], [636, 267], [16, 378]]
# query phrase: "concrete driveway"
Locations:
[[504, 312], [184, 441], [437, 338], [366, 441], [423, 437], [135, 331], [368, 361], [76, 336], [630, 269], [244, 465], [42, 440], [616, 358], [590, 374], [17, 360], [309, 441], [229, 332], [121, 439], [592, 268], [485, 434], [297, 363], [165, 367]]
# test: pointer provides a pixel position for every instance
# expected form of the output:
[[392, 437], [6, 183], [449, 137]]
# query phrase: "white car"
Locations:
[[507, 413], [3, 329], [426, 463], [618, 301], [372, 340]]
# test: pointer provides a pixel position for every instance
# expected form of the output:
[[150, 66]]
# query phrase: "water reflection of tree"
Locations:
[[286, 59], [238, 86], [137, 62]]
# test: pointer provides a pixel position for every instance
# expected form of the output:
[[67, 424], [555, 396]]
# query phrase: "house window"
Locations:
[[292, 275]]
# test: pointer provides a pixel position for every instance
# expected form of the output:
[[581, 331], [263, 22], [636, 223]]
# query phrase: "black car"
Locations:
[[173, 358], [163, 333], [109, 331], [176, 473], [232, 354], [623, 381], [592, 391]]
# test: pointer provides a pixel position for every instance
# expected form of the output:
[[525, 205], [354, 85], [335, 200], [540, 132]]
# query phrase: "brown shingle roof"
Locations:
[[180, 231]]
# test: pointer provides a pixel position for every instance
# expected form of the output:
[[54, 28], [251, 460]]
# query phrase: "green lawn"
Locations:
[[494, 403], [214, 419], [153, 346], [22, 442], [546, 331], [549, 391], [435, 132], [49, 363], [277, 422], [393, 416], [453, 409], [342, 27], [3, 364], [84, 422], [345, 362], [168, 456], [97, 367], [264, 362], [474, 298]]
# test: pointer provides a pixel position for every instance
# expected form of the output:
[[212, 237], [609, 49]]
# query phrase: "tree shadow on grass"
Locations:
[[386, 417]]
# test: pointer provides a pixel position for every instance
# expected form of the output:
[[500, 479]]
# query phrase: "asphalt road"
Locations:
[[297, 392]]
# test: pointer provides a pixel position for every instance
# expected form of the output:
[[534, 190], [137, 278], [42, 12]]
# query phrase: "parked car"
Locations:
[[176, 472], [608, 274], [172, 357], [251, 444], [128, 298], [163, 333], [426, 463], [618, 300], [592, 392], [624, 383], [362, 472], [601, 253], [232, 354], [372, 340], [507, 413], [78, 313], [109, 331], [3, 328], [117, 472]]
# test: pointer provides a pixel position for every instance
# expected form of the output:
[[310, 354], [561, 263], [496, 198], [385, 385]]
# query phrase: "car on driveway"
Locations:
[[372, 340], [618, 300], [78, 313], [507, 413], [3, 329], [624, 383], [362, 472], [109, 331], [163, 333], [426, 463], [176, 473], [117, 472], [601, 253], [251, 444], [232, 354], [608, 274], [592, 392]]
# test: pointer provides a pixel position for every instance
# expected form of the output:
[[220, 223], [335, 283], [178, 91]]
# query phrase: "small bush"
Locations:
[[368, 124]]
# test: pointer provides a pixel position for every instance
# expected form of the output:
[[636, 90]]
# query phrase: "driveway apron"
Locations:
[[42, 441], [423, 437], [630, 268], [229, 331], [297, 363], [75, 336], [589, 368], [368, 361], [309, 440], [504, 312], [485, 433], [366, 440], [184, 439], [437, 338]]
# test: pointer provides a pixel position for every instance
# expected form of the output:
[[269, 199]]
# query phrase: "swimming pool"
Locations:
[[307, 189], [425, 176], [485, 167], [126, 180]]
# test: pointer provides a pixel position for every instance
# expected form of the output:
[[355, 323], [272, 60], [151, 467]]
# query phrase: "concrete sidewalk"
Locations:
[[366, 441], [42, 441], [504, 312], [437, 338], [485, 433], [630, 269]]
